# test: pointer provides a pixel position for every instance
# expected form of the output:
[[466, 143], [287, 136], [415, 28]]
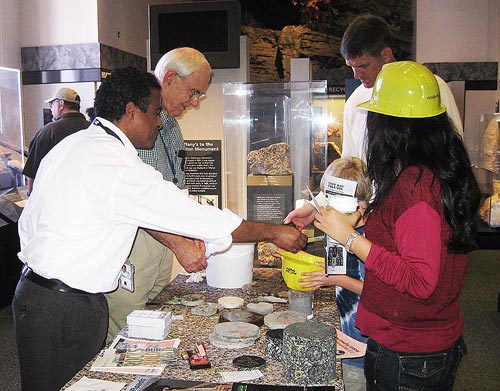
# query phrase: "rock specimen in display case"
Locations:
[[271, 160]]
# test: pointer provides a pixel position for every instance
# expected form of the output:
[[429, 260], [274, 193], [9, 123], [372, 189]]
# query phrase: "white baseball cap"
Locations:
[[66, 94]]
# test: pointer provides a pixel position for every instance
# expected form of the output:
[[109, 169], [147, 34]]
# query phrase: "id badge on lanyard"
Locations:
[[127, 276]]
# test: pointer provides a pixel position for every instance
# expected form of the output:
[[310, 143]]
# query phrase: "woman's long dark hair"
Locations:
[[394, 144]]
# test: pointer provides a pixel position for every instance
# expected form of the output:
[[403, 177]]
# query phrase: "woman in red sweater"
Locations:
[[418, 234]]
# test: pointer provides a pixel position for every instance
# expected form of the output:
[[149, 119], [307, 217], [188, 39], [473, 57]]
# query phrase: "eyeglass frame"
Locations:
[[193, 91], [51, 103]]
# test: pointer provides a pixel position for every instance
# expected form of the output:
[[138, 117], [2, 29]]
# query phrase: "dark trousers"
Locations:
[[388, 370], [57, 333]]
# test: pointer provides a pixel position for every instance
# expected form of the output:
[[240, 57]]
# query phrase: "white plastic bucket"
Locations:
[[232, 268]]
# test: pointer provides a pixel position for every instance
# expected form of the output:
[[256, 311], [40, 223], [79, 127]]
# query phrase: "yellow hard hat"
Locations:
[[405, 89], [293, 265]]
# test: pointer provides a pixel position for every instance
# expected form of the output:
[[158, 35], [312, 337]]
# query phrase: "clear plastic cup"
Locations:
[[301, 302]]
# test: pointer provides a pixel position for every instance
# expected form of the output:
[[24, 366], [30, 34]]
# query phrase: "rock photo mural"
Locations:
[[279, 30]]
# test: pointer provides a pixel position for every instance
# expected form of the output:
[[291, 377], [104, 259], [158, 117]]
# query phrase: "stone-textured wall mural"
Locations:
[[279, 30]]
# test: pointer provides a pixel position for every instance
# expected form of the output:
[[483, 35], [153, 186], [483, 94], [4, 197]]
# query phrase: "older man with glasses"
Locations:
[[67, 119], [184, 75]]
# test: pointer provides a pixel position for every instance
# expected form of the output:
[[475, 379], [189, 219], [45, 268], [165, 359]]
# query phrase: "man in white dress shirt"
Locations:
[[367, 44], [91, 194], [184, 75]]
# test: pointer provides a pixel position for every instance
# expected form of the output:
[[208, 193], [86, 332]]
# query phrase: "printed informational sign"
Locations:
[[203, 171], [269, 197]]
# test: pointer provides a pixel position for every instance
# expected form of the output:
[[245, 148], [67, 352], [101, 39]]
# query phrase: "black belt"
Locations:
[[53, 284]]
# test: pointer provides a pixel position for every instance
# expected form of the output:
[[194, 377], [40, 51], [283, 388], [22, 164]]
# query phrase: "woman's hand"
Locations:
[[301, 217], [336, 224], [314, 280]]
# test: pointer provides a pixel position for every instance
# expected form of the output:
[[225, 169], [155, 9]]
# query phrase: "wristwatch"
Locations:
[[350, 239]]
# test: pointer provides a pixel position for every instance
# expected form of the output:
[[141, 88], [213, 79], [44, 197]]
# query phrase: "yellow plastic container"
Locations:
[[293, 265]]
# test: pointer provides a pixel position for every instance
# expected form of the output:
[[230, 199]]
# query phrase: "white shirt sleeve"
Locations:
[[144, 199], [448, 100], [354, 128]]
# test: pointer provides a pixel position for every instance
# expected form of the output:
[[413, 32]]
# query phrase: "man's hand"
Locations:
[[284, 236], [189, 252], [289, 238]]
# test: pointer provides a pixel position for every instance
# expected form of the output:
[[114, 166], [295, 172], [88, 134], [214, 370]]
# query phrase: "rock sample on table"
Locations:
[[242, 316], [309, 351], [234, 335], [230, 302], [192, 300], [249, 362], [206, 309], [261, 308], [281, 319], [274, 344]]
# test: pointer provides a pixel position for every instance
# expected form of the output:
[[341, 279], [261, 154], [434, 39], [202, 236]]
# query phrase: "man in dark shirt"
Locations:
[[67, 119]]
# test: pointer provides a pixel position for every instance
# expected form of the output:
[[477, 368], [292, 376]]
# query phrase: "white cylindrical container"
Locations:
[[336, 254], [232, 268]]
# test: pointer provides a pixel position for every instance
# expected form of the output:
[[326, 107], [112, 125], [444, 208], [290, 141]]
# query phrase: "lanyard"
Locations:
[[107, 130], [170, 161]]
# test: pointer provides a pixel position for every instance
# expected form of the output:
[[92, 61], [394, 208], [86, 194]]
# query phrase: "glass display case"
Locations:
[[11, 136], [275, 139], [11, 196], [329, 109], [483, 146]]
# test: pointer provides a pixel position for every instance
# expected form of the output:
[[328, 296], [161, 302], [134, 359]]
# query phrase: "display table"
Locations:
[[195, 328]]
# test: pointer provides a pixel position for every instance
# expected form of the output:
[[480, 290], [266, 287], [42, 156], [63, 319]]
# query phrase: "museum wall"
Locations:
[[10, 34], [468, 32], [457, 30]]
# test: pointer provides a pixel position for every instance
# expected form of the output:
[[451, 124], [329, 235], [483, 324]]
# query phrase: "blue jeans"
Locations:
[[388, 370]]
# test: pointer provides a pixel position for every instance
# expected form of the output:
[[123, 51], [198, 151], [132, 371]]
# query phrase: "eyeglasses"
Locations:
[[193, 91], [51, 104]]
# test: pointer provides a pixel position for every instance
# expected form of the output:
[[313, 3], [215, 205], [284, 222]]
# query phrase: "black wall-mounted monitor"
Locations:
[[212, 27]]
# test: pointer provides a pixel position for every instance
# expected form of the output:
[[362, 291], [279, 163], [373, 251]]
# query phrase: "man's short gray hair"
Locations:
[[184, 61]]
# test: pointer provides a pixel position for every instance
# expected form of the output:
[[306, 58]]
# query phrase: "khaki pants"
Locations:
[[153, 265]]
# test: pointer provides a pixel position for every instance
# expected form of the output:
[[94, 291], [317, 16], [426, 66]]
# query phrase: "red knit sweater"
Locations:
[[410, 294]]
